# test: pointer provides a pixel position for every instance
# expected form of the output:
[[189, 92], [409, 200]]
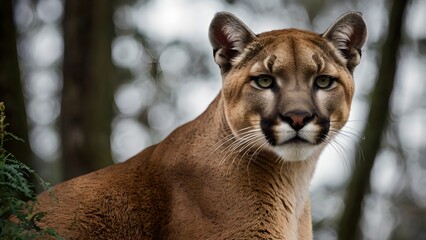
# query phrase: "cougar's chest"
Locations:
[[229, 202]]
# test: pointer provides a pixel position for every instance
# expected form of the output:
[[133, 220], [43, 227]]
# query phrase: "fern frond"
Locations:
[[14, 186]]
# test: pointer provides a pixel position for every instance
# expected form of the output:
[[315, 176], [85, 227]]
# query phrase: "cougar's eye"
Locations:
[[262, 82], [324, 82]]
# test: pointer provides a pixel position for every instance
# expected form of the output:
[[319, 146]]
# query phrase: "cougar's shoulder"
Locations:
[[87, 207]]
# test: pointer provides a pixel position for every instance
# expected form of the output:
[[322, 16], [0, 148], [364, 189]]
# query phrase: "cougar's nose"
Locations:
[[297, 119]]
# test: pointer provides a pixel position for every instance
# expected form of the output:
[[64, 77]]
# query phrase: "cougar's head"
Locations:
[[287, 91]]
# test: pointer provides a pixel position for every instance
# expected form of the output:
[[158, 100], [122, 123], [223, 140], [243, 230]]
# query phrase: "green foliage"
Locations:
[[17, 197]]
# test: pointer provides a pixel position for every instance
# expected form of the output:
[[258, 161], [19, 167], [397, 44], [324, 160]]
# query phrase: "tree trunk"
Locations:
[[11, 86], [376, 123], [87, 98]]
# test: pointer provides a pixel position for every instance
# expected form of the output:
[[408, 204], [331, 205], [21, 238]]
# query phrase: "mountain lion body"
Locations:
[[241, 170]]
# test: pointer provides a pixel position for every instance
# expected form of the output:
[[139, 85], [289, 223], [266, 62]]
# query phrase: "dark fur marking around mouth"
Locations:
[[266, 126], [325, 128]]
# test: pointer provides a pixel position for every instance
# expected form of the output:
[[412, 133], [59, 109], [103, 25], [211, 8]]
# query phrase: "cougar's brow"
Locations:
[[329, 51], [249, 53], [269, 62], [266, 64], [318, 61]]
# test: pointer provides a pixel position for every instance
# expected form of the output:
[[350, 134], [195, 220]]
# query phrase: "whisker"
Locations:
[[240, 144], [230, 137], [253, 145], [355, 130], [350, 138], [254, 155], [347, 134], [247, 145], [356, 120], [340, 150]]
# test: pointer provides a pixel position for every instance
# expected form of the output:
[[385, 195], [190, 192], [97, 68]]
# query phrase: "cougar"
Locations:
[[240, 170]]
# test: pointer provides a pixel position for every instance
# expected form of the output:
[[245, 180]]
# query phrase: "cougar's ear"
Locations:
[[348, 34], [228, 36]]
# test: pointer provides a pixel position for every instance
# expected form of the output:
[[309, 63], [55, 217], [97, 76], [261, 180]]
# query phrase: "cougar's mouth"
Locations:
[[280, 134], [292, 144], [296, 140]]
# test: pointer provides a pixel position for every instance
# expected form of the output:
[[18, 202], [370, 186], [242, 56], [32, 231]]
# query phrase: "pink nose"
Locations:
[[297, 119]]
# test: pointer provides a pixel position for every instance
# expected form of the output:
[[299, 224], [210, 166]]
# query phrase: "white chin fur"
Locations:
[[293, 152]]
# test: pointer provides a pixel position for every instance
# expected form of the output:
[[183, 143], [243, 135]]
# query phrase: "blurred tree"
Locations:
[[11, 86], [359, 184], [87, 98]]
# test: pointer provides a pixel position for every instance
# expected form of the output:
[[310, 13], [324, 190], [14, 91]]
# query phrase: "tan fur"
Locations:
[[219, 177]]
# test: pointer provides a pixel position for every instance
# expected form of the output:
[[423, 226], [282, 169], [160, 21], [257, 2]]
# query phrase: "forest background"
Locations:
[[90, 83]]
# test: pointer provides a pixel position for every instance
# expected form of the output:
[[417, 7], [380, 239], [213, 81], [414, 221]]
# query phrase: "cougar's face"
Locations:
[[290, 97], [287, 91]]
